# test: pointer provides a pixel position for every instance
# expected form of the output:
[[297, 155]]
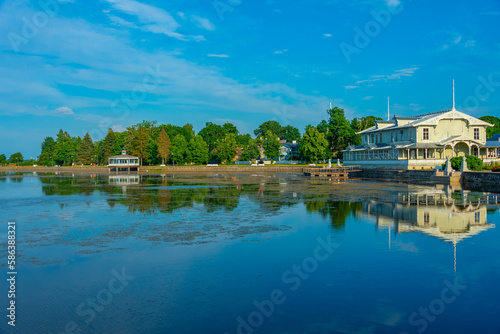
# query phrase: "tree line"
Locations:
[[158, 144]]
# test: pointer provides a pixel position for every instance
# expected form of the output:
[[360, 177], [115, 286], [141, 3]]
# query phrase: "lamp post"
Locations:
[[173, 160]]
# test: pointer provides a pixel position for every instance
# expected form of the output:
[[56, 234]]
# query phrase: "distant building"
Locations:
[[423, 142], [288, 150], [123, 162]]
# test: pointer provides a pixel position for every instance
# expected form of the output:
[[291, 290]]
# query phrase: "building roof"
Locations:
[[123, 156], [492, 143], [430, 119], [495, 137]]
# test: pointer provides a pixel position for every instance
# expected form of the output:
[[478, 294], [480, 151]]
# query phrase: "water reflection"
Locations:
[[447, 214], [205, 247]]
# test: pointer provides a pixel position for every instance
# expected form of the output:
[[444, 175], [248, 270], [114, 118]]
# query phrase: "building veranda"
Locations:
[[123, 162], [423, 142]]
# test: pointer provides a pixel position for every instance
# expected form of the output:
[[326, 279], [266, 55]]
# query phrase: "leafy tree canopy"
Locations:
[[313, 145], [16, 158], [496, 125]]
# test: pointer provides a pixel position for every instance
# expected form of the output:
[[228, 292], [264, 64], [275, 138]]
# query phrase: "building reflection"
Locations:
[[448, 214]]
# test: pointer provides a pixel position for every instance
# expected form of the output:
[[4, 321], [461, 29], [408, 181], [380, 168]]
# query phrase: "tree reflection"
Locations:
[[336, 211]]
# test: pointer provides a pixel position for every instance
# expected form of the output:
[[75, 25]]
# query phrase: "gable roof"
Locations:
[[430, 119]]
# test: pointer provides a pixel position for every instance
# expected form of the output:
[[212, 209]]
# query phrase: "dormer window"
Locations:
[[476, 133], [425, 134]]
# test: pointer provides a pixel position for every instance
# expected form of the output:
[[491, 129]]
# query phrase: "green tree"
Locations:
[[188, 131], [495, 121], [250, 152], [340, 133], [272, 126], [179, 148], [64, 148], [16, 158], [363, 123], [152, 152], [140, 142], [48, 150], [313, 145], [290, 133], [226, 148], [86, 151], [243, 140], [271, 145], [163, 146], [107, 147], [3, 159], [198, 150], [211, 133], [228, 128]]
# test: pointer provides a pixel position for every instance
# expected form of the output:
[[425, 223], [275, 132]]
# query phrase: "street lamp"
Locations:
[[173, 160]]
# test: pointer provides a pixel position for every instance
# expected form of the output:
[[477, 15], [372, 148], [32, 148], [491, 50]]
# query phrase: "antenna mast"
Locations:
[[388, 109], [453, 94]]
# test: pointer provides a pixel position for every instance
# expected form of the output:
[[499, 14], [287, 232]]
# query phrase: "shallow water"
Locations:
[[220, 253]]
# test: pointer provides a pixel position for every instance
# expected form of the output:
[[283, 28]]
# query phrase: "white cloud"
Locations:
[[327, 35], [110, 64], [64, 111], [216, 55], [118, 128], [202, 22], [150, 18], [350, 87], [456, 41], [392, 3], [280, 51], [368, 97], [406, 72]]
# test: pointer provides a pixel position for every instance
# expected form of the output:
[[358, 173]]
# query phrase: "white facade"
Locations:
[[422, 142]]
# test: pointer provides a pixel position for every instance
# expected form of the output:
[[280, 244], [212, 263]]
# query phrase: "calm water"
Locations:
[[248, 254]]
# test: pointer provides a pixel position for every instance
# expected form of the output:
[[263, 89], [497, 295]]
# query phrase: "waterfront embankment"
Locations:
[[157, 169]]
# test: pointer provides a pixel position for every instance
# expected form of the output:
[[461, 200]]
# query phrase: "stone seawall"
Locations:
[[481, 181], [420, 175]]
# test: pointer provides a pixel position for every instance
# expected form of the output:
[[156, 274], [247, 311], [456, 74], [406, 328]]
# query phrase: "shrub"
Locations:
[[473, 163]]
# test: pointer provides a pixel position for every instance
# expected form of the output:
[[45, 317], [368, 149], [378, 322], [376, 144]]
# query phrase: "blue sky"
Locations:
[[90, 65]]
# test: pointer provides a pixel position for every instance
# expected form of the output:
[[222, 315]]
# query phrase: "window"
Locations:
[[477, 217], [476, 133], [372, 139], [426, 134], [427, 218], [401, 134]]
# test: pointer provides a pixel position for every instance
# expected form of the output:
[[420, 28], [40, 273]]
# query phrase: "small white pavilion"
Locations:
[[123, 162]]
